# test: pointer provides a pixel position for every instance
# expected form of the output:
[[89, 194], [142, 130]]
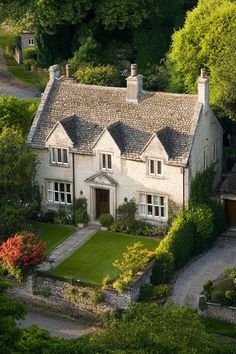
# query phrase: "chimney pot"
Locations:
[[203, 72], [134, 70], [54, 72], [68, 71]]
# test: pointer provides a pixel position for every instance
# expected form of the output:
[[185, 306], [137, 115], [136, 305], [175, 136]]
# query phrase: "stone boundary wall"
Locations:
[[77, 300], [213, 310], [18, 55]]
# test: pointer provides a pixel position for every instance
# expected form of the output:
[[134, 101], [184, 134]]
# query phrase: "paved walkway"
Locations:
[[208, 266], [58, 326], [69, 246], [10, 86]]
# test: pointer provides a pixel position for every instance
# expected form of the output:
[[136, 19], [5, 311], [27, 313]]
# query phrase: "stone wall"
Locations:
[[209, 309], [77, 300], [18, 55]]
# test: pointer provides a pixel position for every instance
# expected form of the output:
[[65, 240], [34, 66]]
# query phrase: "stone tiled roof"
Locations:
[[229, 185], [86, 110]]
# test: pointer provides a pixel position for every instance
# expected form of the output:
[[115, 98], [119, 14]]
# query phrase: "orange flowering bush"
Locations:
[[22, 250]]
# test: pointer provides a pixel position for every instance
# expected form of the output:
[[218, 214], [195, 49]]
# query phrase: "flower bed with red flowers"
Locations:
[[21, 251]]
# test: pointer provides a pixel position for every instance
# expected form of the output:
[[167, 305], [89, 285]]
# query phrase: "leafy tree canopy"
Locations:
[[17, 113], [207, 39]]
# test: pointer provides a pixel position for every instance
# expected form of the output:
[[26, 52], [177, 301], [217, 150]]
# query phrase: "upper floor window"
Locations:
[[59, 156], [106, 162], [154, 167], [153, 206], [59, 192], [31, 41]]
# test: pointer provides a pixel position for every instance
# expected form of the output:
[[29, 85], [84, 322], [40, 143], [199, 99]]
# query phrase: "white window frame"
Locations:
[[54, 154], [214, 152], [54, 193], [157, 202], [155, 162], [31, 41], [104, 157]]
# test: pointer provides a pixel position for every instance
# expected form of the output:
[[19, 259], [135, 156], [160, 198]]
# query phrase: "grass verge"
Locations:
[[52, 234], [93, 260], [215, 326]]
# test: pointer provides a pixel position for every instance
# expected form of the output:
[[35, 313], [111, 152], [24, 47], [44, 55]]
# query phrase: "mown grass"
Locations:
[[215, 326], [92, 261], [52, 234]]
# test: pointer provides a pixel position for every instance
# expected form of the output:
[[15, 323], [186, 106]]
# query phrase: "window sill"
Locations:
[[155, 176], [59, 165]]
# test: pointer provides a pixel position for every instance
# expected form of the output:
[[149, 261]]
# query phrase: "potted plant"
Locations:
[[81, 218], [106, 220]]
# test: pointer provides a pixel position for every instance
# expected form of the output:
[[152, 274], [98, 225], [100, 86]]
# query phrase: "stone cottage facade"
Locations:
[[26, 40], [113, 144]]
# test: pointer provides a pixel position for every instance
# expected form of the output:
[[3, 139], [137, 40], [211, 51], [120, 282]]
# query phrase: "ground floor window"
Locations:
[[153, 206], [59, 192]]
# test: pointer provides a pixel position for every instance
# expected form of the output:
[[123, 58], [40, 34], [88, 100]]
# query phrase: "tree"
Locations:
[[18, 167], [10, 310], [208, 40], [17, 113], [99, 75]]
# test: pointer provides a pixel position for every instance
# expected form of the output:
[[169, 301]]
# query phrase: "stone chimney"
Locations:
[[54, 72], [203, 89], [68, 73], [134, 85]]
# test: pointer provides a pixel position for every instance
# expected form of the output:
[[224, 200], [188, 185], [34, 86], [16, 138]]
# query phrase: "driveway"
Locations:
[[208, 266], [10, 86], [56, 325]]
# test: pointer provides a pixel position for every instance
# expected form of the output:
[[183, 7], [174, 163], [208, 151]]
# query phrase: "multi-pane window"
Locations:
[[153, 206], [59, 156], [214, 153], [106, 162], [154, 167], [59, 192], [31, 41]]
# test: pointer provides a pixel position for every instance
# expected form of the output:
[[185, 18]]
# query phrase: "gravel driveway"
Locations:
[[56, 325], [208, 266], [10, 86]]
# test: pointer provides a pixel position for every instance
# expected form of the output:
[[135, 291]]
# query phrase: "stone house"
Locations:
[[26, 40], [113, 144]]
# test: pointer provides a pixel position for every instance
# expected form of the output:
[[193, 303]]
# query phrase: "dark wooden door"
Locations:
[[102, 202], [230, 210]]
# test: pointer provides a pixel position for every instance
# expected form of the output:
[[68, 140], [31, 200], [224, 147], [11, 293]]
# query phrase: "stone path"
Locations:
[[10, 86], [58, 326], [211, 264], [69, 246]]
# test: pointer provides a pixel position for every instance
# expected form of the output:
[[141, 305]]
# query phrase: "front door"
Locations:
[[230, 210], [102, 202]]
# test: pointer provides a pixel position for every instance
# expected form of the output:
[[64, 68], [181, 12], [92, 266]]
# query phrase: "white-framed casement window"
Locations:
[[153, 206], [105, 162], [214, 153], [155, 167], [59, 156], [205, 158], [31, 41], [59, 192]]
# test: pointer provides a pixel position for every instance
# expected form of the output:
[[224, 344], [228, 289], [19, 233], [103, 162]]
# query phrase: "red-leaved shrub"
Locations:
[[23, 250]]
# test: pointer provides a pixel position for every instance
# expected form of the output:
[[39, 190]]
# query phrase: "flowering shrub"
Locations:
[[22, 250]]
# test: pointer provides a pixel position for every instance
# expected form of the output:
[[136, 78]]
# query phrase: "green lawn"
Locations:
[[94, 259], [53, 234], [224, 328]]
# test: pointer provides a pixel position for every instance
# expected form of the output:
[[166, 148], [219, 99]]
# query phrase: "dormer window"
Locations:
[[59, 156], [154, 167], [106, 162]]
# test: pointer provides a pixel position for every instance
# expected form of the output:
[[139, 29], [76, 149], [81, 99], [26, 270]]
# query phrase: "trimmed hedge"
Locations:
[[179, 240], [163, 268]]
